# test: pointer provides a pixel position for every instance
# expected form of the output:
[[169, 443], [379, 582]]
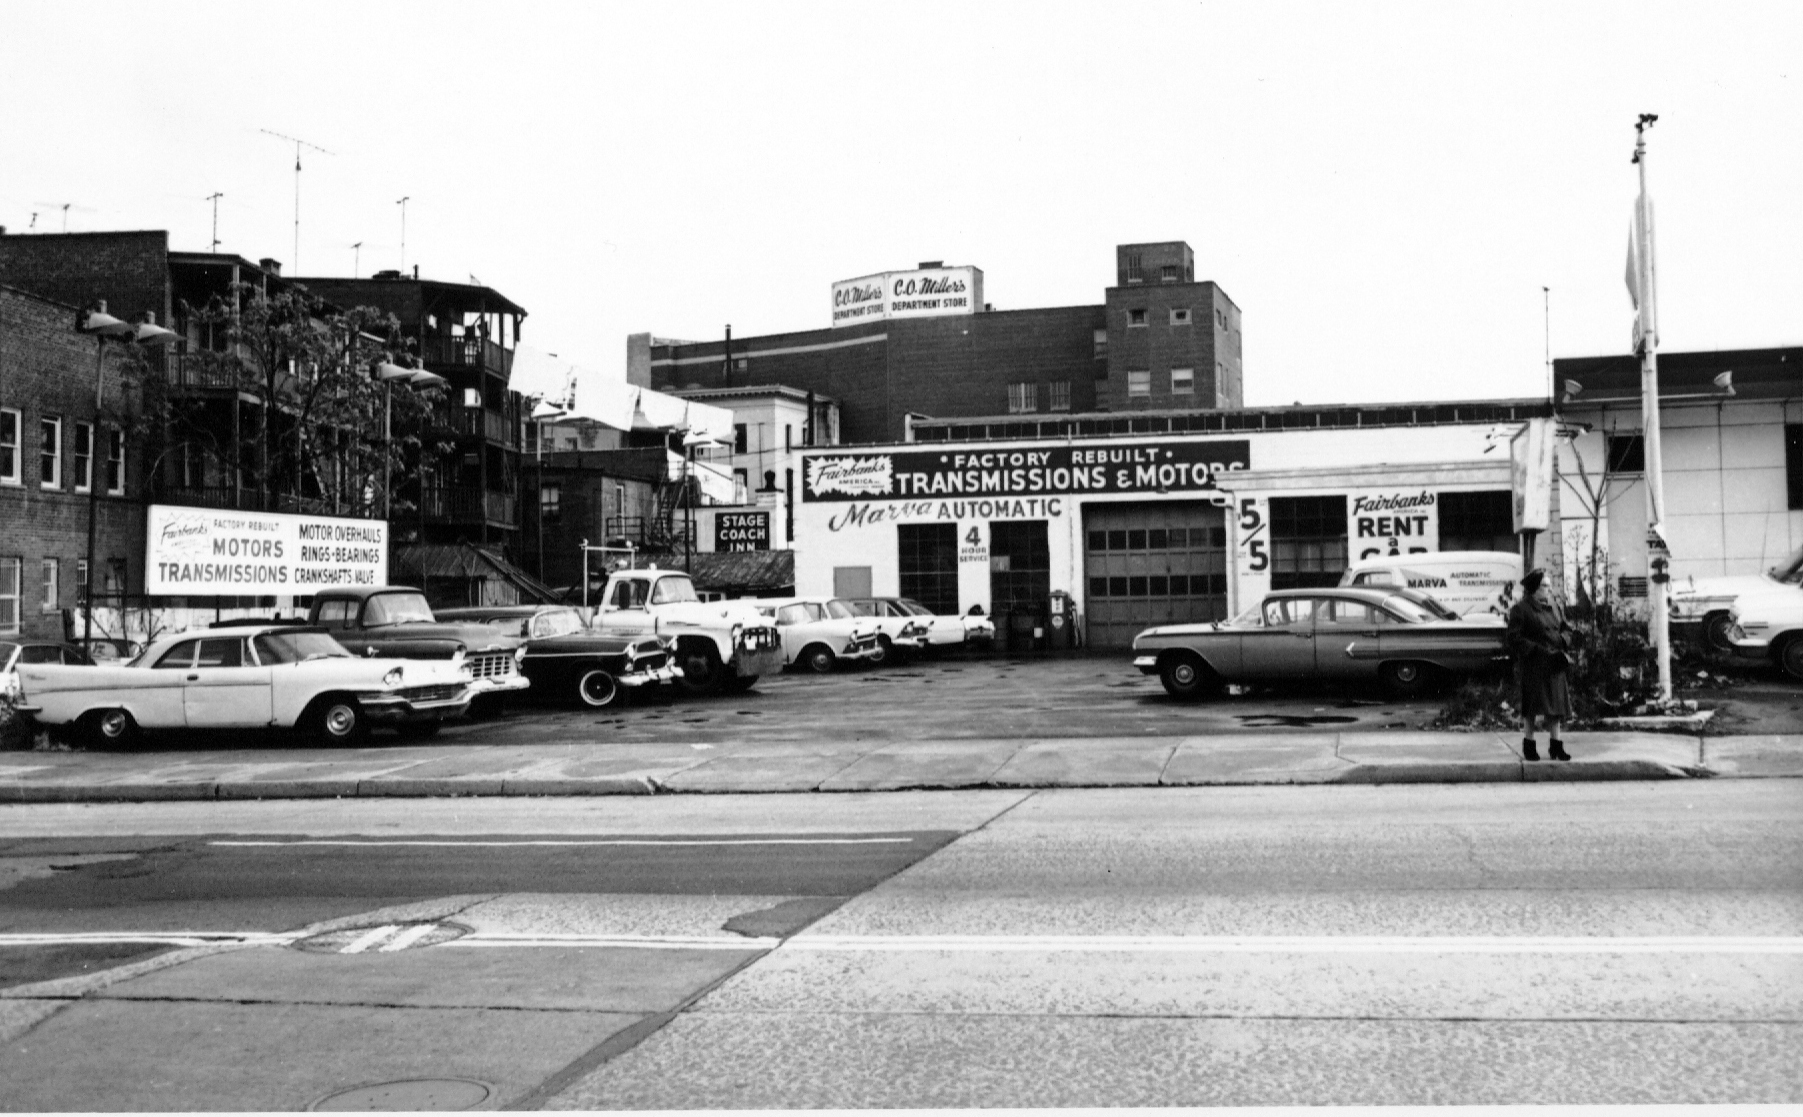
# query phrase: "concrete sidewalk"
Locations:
[[601, 768]]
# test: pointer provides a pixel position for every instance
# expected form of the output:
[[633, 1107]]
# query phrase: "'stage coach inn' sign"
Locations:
[[1055, 470]]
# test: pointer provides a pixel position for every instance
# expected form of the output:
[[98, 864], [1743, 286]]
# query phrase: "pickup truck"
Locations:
[[721, 646], [394, 622]]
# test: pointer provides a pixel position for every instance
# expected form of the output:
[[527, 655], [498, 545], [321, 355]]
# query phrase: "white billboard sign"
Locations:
[[217, 552], [924, 293]]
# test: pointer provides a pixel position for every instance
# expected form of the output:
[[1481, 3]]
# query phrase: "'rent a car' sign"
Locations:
[[212, 551]]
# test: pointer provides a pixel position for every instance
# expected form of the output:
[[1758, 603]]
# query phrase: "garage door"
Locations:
[[1147, 564]]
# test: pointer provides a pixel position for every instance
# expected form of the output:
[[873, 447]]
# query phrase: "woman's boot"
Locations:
[[1528, 751], [1555, 748]]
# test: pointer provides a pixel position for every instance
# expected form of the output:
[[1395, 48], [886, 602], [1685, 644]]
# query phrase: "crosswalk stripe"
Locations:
[[368, 939], [408, 937]]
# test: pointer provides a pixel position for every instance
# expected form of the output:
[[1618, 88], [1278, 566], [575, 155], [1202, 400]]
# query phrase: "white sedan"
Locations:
[[248, 676], [820, 632]]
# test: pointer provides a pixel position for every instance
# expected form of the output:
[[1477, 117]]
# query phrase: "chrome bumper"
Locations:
[[669, 672], [502, 684], [1147, 664], [389, 709]]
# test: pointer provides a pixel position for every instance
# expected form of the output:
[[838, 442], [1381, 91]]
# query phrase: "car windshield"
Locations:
[[1408, 610], [839, 609], [670, 590], [910, 605], [561, 622], [1791, 569], [1252, 616], [397, 608], [297, 647], [1429, 602]]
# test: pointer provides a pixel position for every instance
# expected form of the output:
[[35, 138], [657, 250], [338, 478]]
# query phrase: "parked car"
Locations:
[[721, 646], [565, 661], [16, 653], [941, 631], [819, 632], [245, 677], [1769, 626], [1469, 583], [396, 622], [899, 632], [1346, 633], [1708, 602]]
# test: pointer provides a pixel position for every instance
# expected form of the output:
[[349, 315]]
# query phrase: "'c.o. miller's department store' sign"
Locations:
[[210, 552], [926, 293], [1013, 484]]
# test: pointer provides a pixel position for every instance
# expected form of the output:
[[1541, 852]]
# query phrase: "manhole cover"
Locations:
[[385, 938], [439, 1094]]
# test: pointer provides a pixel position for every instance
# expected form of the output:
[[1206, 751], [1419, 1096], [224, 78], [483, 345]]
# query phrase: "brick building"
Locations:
[[53, 450], [1159, 339]]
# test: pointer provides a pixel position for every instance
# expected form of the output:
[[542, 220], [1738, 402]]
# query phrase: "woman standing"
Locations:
[[1537, 641]]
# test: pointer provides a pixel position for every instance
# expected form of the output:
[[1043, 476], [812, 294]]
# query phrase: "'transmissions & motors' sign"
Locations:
[[1135, 468], [208, 551], [742, 531]]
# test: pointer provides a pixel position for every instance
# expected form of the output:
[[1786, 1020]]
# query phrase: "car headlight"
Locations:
[[519, 654], [738, 632], [393, 678], [464, 670]]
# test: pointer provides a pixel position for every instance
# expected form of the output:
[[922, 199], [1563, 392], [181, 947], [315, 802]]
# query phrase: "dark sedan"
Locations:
[[1348, 634], [565, 661]]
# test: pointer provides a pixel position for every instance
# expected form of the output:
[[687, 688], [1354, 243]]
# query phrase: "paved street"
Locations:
[[1618, 942]]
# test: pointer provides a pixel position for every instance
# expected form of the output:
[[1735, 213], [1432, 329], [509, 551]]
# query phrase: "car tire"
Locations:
[[1186, 676], [1716, 627], [418, 730], [597, 689], [702, 671], [819, 659], [885, 652], [108, 729], [337, 719], [1406, 678], [1790, 657]]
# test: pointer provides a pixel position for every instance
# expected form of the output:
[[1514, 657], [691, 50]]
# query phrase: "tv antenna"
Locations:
[[65, 207], [298, 144], [214, 198], [403, 204], [357, 260]]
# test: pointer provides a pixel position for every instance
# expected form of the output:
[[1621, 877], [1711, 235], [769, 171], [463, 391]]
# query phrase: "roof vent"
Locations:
[[270, 265], [925, 264], [391, 273]]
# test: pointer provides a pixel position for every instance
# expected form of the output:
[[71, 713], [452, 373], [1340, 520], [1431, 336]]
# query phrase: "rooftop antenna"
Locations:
[[65, 207], [298, 144], [403, 204], [357, 260], [214, 198], [1546, 297]]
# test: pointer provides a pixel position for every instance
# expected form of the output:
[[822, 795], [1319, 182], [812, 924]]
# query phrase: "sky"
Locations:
[[1387, 190]]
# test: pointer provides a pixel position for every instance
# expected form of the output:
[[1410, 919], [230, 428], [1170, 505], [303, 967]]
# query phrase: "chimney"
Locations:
[[925, 264], [270, 265]]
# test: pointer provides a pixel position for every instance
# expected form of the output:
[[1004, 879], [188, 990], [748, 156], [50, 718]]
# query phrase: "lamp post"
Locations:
[[103, 325]]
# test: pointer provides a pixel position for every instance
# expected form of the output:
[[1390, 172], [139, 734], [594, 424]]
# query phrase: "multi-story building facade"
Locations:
[[1159, 339]]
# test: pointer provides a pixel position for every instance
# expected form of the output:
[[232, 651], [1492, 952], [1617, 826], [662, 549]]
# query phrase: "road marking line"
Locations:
[[368, 939], [173, 938], [1281, 944], [581, 842], [635, 942], [408, 937]]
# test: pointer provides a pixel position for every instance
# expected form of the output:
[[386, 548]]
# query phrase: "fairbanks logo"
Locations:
[[851, 476]]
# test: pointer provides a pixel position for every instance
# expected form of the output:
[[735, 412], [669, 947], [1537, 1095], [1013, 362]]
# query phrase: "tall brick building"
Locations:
[[54, 450], [1159, 339]]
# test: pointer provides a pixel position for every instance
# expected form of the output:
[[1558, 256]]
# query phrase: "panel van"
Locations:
[[1472, 584]]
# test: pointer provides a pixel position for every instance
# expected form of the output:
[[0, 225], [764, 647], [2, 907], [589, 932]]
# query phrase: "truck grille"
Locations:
[[440, 693], [493, 665], [757, 639]]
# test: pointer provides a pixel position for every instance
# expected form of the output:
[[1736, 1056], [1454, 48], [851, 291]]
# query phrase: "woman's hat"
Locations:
[[1532, 580]]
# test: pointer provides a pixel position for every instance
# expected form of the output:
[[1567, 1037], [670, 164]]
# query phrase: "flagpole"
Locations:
[[1647, 323]]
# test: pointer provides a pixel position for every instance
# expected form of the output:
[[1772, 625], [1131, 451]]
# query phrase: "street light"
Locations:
[[103, 325]]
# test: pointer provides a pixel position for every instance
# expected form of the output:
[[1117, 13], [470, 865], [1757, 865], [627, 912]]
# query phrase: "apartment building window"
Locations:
[[1133, 268], [550, 501], [1022, 398], [788, 437], [84, 456], [1136, 317], [9, 594], [1183, 381], [739, 438], [52, 590], [1060, 395], [9, 446], [115, 577], [1180, 316], [1793, 464], [741, 486], [1139, 381], [1480, 521], [1101, 344], [1627, 453], [50, 455], [1168, 274], [81, 579]]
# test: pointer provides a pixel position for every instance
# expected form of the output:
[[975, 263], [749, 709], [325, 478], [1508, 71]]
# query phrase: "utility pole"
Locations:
[[214, 198], [298, 144], [403, 204], [1644, 287]]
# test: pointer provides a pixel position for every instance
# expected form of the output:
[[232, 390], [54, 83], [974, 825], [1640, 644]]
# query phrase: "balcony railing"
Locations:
[[467, 504], [493, 425], [467, 352]]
